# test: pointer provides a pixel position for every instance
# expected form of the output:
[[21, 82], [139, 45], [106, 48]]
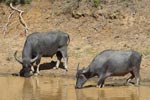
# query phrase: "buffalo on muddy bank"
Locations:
[[43, 44]]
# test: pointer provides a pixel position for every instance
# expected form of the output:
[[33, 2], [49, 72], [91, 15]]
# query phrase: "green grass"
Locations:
[[91, 52], [146, 52], [17, 1], [96, 3]]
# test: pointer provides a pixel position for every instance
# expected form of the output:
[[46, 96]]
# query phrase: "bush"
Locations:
[[17, 1], [96, 3]]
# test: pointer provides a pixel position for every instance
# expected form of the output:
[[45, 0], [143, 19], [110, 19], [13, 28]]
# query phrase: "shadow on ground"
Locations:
[[51, 65], [44, 66]]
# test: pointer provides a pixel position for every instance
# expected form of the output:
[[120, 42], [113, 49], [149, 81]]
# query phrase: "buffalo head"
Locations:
[[80, 77], [26, 65]]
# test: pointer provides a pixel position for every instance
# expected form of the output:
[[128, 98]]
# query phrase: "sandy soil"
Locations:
[[92, 30]]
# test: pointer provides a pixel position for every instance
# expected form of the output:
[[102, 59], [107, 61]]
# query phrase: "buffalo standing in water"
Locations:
[[111, 63]]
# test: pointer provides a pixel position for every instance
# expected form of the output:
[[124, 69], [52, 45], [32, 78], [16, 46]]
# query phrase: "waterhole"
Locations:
[[47, 88]]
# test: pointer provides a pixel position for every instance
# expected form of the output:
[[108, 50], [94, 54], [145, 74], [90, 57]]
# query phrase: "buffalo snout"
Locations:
[[78, 87], [25, 72]]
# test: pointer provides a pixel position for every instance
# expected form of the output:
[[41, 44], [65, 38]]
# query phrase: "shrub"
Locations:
[[96, 3], [17, 1]]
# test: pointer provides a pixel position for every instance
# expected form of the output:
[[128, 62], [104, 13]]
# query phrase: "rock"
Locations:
[[116, 37]]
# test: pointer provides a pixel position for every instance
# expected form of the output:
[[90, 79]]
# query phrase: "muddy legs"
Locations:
[[101, 81], [65, 57], [134, 74], [37, 72], [137, 77], [59, 57], [61, 54]]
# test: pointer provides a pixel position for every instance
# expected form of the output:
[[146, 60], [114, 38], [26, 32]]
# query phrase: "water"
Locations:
[[46, 88]]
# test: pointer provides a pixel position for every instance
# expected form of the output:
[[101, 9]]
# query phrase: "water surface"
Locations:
[[46, 88]]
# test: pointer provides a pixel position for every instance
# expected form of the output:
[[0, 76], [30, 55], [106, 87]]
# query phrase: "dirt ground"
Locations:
[[115, 24]]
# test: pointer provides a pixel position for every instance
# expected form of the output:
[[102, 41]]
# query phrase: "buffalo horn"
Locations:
[[18, 59], [34, 59]]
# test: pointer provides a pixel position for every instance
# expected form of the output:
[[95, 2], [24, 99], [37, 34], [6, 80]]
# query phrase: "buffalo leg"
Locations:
[[101, 81], [59, 57], [137, 76], [32, 68], [38, 65], [65, 57], [37, 70], [130, 78]]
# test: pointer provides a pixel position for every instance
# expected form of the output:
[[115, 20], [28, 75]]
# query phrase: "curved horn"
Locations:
[[34, 59], [18, 59], [78, 66]]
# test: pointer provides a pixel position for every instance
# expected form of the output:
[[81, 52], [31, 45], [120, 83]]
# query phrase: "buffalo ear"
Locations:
[[85, 70]]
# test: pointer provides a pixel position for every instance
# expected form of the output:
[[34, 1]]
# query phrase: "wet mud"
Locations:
[[48, 88]]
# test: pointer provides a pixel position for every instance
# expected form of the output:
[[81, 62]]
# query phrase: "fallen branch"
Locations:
[[146, 56], [8, 21], [21, 18]]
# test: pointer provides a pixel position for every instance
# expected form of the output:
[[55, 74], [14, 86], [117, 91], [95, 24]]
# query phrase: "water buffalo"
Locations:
[[111, 63], [44, 44]]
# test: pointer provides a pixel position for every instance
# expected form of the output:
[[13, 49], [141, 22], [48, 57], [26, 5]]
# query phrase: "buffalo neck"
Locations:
[[27, 52], [88, 74]]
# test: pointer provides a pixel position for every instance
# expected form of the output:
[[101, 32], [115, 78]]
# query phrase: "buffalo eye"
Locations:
[[81, 76]]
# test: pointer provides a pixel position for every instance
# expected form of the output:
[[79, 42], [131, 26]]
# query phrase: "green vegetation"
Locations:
[[125, 0], [17, 1], [96, 3], [146, 52]]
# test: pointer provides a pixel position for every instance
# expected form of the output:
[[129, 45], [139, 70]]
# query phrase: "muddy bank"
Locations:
[[112, 25]]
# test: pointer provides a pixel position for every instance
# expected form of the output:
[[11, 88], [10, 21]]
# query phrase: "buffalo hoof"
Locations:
[[55, 67], [36, 74], [129, 84], [99, 86], [31, 72]]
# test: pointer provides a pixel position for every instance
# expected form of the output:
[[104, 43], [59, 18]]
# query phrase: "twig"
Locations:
[[146, 56], [8, 21], [21, 18]]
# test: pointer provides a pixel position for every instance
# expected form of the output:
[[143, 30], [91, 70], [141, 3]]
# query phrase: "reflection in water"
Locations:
[[31, 89], [45, 88], [114, 93]]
